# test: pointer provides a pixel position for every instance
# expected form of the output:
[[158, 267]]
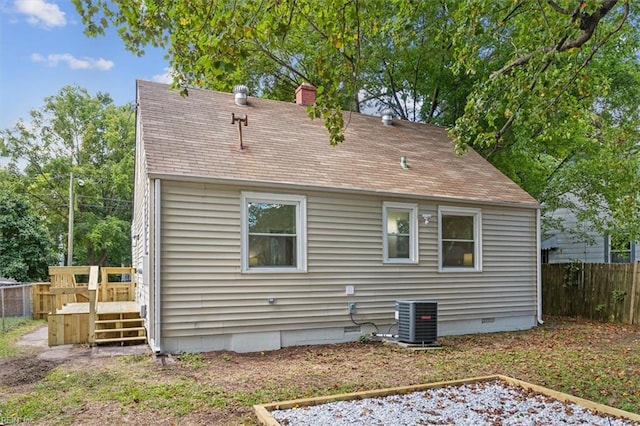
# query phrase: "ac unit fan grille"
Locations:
[[417, 321]]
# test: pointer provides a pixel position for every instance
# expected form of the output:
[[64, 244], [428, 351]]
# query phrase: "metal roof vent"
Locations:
[[240, 94], [387, 117]]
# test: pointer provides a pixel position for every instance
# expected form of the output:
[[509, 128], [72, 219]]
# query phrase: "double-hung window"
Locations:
[[620, 251], [400, 232], [273, 232], [459, 236]]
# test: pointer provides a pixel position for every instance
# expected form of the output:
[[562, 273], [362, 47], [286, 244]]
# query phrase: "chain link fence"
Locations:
[[15, 302]]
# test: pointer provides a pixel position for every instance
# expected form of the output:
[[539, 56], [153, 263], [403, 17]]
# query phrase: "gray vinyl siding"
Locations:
[[572, 245], [139, 237], [578, 242], [141, 240], [205, 293], [141, 227]]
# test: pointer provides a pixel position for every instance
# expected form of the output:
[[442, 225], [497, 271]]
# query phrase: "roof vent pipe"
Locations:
[[403, 163], [240, 94], [387, 117], [244, 120]]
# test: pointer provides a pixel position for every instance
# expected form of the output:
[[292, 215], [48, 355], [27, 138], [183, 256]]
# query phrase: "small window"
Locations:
[[273, 233], [459, 239], [544, 256], [619, 251], [400, 232]]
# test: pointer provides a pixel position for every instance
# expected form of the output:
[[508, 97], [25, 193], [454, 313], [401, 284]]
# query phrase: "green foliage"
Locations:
[[372, 54], [556, 114], [618, 295], [193, 360], [25, 246], [364, 339], [546, 91], [93, 139]]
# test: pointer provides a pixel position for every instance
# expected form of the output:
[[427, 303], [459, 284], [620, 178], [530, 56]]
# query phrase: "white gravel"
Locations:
[[485, 403]]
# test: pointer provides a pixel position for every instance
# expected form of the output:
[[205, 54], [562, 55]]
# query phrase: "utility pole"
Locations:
[[70, 231]]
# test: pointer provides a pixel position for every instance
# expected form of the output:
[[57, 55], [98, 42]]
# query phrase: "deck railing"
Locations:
[[93, 302], [66, 277], [116, 291], [69, 284]]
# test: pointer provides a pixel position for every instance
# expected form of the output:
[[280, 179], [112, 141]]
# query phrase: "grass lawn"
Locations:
[[596, 361], [14, 327]]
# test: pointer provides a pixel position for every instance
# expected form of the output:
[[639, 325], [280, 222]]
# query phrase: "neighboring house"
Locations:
[[578, 242], [264, 246]]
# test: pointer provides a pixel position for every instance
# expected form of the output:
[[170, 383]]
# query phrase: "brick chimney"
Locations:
[[305, 94]]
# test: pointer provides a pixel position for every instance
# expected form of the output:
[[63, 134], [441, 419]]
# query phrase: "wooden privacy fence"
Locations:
[[601, 291], [41, 302]]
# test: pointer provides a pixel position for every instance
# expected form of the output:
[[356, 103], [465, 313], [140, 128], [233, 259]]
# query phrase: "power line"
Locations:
[[95, 197]]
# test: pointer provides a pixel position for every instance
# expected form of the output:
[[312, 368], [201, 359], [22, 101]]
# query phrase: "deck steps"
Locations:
[[113, 321], [118, 330], [119, 327], [140, 339]]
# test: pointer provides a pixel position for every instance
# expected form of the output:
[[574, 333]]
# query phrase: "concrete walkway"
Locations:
[[38, 339]]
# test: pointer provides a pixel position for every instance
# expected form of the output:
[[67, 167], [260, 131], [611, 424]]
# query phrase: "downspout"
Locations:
[[538, 268], [156, 266]]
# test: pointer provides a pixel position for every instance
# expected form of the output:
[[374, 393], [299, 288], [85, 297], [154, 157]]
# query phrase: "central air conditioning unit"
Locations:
[[417, 321]]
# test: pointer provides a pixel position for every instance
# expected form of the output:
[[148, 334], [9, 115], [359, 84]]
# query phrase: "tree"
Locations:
[[25, 247], [556, 114], [535, 86], [93, 139], [375, 53]]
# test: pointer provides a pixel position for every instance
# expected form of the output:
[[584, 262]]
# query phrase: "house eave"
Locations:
[[293, 186]]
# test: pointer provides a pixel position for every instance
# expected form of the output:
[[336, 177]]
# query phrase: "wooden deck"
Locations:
[[93, 312]]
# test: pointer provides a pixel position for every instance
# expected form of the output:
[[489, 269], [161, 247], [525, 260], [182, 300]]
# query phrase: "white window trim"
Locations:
[[301, 229], [413, 232], [477, 237]]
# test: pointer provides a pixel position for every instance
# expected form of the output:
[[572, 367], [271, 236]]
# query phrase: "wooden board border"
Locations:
[[263, 411]]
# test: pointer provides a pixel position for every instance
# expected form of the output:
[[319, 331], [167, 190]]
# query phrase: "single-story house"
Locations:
[[251, 232]]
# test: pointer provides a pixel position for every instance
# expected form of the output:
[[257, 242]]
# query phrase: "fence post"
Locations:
[[634, 287], [2, 297], [26, 303]]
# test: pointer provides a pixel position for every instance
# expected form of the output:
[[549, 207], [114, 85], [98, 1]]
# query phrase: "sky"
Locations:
[[43, 48]]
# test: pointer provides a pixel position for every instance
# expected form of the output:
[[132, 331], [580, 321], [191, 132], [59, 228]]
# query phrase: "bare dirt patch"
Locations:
[[352, 365], [24, 370]]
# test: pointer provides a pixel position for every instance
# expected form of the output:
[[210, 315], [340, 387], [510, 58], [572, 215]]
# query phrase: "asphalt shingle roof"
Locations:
[[193, 137]]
